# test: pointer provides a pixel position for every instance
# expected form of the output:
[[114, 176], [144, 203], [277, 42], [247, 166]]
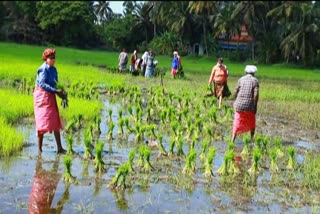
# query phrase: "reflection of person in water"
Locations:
[[43, 189]]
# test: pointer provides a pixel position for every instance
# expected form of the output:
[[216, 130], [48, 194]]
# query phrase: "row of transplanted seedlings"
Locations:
[[160, 114], [186, 122]]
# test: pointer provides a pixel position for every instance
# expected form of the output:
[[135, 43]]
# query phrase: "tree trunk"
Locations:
[[205, 38]]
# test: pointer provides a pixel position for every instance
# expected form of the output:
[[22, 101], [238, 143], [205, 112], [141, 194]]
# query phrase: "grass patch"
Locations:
[[10, 140]]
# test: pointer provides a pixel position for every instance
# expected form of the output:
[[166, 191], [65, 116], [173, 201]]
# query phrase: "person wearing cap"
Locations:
[[46, 111], [123, 60], [219, 78], [245, 105], [133, 59], [175, 64]]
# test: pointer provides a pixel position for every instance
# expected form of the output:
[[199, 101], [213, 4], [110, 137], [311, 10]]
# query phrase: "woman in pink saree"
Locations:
[[46, 111]]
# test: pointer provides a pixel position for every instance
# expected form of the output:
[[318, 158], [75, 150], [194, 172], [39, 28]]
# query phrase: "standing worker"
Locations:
[[46, 111], [123, 60], [219, 78], [245, 105]]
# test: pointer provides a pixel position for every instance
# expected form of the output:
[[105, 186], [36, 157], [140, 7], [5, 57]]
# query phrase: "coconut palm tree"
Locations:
[[301, 21], [224, 24], [102, 11], [204, 10], [249, 12], [128, 7], [143, 19]]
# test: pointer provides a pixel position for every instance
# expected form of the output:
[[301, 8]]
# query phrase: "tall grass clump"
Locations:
[[10, 140]]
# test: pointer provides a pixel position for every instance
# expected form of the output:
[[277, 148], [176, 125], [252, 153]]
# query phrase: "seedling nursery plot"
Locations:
[[135, 145]]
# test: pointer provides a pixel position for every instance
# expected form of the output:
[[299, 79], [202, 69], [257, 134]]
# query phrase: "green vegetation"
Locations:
[[10, 140]]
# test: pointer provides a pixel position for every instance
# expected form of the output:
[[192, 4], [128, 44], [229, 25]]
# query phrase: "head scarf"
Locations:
[[250, 69], [175, 53], [47, 53]]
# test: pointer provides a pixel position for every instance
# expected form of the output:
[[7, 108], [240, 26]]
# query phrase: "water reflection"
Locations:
[[43, 189], [120, 198]]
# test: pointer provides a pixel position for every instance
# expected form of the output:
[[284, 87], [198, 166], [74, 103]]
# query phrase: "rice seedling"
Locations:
[[273, 157], [130, 110], [199, 124], [258, 140], [162, 150], [70, 150], [255, 167], [174, 127], [110, 114], [152, 128], [210, 132], [278, 145], [139, 130], [68, 178], [148, 113], [233, 169], [147, 165], [171, 146], [208, 163], [291, 163], [96, 125], [132, 154], [120, 127], [245, 150], [141, 156], [120, 112], [110, 130], [99, 163], [223, 169], [189, 167], [203, 150], [87, 145], [265, 141], [190, 131], [119, 180], [180, 146], [193, 142]]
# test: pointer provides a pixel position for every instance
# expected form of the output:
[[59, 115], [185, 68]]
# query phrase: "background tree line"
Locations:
[[281, 29]]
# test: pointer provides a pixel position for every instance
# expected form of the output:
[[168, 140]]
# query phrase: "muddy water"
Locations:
[[30, 182]]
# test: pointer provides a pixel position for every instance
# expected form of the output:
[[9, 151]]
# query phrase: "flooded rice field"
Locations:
[[33, 183]]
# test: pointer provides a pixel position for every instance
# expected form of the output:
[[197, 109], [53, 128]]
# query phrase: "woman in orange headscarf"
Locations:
[[45, 105]]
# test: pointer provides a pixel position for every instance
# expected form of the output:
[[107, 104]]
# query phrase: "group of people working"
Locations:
[[46, 111], [146, 64], [246, 96]]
